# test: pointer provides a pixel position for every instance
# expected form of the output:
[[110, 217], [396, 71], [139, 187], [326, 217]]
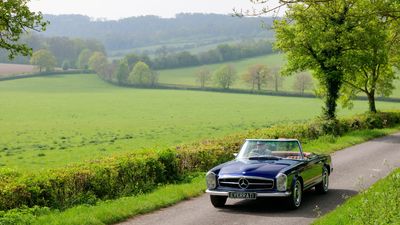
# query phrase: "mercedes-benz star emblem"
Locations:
[[243, 183]]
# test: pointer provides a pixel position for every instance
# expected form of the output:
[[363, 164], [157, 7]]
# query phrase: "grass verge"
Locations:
[[329, 143], [377, 205], [112, 211], [108, 212]]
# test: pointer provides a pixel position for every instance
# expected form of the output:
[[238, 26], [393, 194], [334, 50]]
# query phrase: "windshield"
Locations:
[[270, 149]]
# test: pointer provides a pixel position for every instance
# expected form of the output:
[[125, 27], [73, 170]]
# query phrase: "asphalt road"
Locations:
[[355, 168]]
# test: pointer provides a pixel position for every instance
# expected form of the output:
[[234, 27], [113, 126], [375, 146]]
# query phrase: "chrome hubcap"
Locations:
[[297, 194], [325, 180]]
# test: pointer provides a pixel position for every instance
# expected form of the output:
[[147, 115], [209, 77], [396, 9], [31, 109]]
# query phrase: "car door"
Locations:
[[312, 171]]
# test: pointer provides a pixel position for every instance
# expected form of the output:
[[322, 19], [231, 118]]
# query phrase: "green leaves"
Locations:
[[142, 75], [350, 42], [225, 76], [44, 59], [16, 19]]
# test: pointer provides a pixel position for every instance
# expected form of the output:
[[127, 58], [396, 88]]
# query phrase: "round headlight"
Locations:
[[211, 180], [281, 182]]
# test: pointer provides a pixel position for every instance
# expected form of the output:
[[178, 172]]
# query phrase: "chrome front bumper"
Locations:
[[275, 194]]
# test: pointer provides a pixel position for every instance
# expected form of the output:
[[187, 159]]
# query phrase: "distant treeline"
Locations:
[[140, 70], [136, 32], [64, 49], [223, 53]]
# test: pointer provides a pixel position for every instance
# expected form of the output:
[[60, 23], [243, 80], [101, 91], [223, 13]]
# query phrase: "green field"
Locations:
[[187, 76], [48, 122]]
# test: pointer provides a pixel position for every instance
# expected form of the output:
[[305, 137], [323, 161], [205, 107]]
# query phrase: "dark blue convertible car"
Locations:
[[269, 168]]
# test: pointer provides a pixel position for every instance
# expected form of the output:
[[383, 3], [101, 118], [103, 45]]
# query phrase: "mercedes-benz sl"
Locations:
[[269, 168]]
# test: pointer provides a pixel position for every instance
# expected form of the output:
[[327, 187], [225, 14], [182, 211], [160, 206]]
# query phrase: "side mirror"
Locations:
[[235, 154]]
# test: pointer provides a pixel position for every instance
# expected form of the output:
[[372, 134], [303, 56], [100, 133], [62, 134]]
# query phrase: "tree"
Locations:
[[228, 52], [186, 59], [375, 53], [256, 76], [142, 75], [303, 82], [62, 48], [83, 59], [65, 65], [275, 80], [210, 56], [132, 59], [16, 19], [203, 76], [122, 72], [318, 40], [44, 59], [320, 35], [225, 76], [153, 78], [99, 63]]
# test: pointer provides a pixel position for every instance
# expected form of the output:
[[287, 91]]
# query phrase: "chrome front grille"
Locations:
[[254, 183]]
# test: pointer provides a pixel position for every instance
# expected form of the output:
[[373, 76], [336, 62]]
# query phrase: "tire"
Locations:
[[218, 201], [323, 187], [294, 200]]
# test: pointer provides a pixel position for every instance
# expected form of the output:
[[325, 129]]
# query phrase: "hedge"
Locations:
[[142, 171]]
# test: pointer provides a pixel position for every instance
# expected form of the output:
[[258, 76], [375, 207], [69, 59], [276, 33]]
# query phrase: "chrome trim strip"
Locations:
[[275, 194], [247, 177], [236, 183], [223, 182]]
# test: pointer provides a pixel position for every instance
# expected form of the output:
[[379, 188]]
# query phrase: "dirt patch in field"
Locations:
[[16, 69]]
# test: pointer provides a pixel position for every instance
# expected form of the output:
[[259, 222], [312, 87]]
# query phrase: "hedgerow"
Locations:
[[142, 171]]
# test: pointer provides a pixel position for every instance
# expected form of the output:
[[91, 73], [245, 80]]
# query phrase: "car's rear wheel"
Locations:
[[294, 200], [323, 187], [218, 201]]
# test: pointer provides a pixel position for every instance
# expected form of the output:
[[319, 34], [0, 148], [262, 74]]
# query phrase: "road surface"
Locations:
[[355, 168]]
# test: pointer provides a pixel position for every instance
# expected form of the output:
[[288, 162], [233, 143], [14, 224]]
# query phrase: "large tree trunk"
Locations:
[[371, 101], [333, 85]]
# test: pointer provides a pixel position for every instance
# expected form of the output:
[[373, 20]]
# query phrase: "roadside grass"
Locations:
[[49, 122], [329, 143], [380, 204], [108, 212], [112, 211]]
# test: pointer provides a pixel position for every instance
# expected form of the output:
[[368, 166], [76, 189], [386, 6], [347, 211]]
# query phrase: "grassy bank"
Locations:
[[380, 204], [107, 212]]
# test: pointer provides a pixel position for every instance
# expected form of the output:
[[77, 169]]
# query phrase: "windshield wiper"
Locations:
[[265, 157]]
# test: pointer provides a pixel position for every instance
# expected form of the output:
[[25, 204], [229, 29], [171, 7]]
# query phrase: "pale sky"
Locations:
[[117, 9]]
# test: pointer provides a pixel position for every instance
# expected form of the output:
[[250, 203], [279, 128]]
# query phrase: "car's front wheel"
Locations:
[[294, 200], [218, 201], [323, 187]]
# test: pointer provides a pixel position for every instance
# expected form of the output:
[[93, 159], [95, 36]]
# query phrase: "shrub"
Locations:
[[86, 183], [22, 216]]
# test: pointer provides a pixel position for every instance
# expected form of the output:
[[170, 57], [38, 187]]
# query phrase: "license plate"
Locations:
[[244, 195]]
